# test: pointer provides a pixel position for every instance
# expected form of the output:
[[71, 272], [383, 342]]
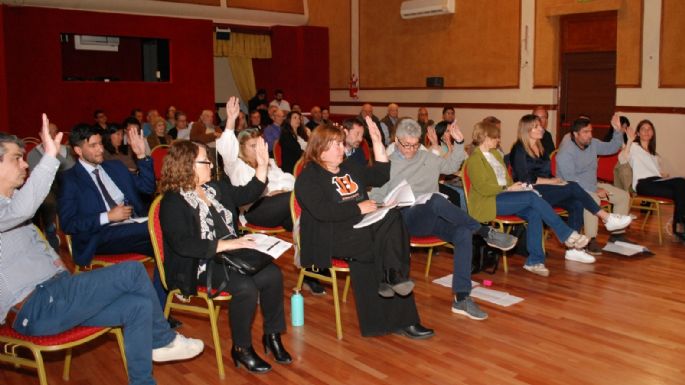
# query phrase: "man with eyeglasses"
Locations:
[[437, 216]]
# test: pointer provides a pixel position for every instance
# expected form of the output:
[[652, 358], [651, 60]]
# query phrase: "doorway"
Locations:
[[588, 71]]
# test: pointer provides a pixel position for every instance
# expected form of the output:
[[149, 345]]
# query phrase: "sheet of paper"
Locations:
[[273, 246], [494, 296], [625, 248], [129, 221], [400, 195]]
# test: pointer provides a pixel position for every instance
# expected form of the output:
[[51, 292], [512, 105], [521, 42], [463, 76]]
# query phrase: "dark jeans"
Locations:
[[271, 212], [119, 295], [535, 210], [265, 286], [570, 197], [448, 222], [672, 189]]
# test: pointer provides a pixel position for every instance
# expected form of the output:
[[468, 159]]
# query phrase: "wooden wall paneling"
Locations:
[[478, 46], [672, 55], [336, 16], [628, 38], [216, 3], [286, 6]]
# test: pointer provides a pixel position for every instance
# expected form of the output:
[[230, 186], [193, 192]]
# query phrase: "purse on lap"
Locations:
[[244, 261]]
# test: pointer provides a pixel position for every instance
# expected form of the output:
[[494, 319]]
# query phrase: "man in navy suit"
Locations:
[[98, 198]]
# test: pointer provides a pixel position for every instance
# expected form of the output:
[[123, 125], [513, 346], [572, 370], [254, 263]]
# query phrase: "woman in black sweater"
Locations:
[[332, 194], [198, 220]]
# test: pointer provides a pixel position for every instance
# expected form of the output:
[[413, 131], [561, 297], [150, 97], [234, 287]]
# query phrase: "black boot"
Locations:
[[272, 342], [249, 359], [401, 285]]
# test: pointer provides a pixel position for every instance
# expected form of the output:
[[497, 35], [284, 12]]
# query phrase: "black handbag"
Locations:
[[485, 258], [244, 261]]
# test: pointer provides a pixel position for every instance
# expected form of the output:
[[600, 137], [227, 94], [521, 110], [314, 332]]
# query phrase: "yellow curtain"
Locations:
[[240, 50], [243, 75], [244, 45]]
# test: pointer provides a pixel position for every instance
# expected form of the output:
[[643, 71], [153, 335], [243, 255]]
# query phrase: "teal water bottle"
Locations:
[[297, 309]]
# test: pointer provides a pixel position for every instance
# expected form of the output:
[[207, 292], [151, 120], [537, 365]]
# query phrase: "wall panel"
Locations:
[[672, 55], [477, 47], [335, 15]]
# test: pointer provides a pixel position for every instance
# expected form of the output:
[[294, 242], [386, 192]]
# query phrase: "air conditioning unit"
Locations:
[[421, 8], [96, 43]]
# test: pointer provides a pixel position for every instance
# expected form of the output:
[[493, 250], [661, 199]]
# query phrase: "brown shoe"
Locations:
[[593, 247]]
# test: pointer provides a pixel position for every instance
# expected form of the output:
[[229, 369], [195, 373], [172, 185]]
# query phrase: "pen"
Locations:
[[272, 246]]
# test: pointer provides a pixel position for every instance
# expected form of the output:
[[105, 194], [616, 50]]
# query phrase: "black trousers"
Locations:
[[390, 249], [672, 188], [267, 286], [271, 211]]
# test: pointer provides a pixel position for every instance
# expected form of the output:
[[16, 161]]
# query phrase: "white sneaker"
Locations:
[[576, 241], [538, 268], [181, 348], [617, 222], [579, 256]]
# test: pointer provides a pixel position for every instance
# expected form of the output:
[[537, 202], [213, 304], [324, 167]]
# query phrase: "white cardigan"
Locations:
[[643, 163], [241, 173]]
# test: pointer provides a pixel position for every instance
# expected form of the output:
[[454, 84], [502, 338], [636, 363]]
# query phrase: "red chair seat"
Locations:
[[559, 211], [252, 227], [426, 240], [509, 218], [203, 289], [68, 336], [340, 264], [118, 258]]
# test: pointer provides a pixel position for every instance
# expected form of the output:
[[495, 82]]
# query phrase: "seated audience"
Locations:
[[354, 135], [47, 212], [447, 119], [389, 122], [423, 121], [279, 102], [577, 162], [116, 149], [137, 114], [492, 193], [316, 118], [649, 177], [257, 100], [159, 135], [240, 122], [198, 220], [378, 254], [367, 110], [204, 131], [181, 130], [547, 141], [325, 115], [170, 118], [531, 165], [256, 120], [100, 120], [150, 119], [437, 216], [291, 143], [273, 131], [47, 300]]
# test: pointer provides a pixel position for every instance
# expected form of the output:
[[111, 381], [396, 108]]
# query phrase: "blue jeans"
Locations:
[[570, 197], [535, 210], [119, 295], [448, 222]]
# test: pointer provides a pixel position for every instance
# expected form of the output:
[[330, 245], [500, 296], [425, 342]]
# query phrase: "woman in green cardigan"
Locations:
[[492, 193]]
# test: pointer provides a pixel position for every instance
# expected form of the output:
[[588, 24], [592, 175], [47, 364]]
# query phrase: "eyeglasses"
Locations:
[[409, 146], [204, 162]]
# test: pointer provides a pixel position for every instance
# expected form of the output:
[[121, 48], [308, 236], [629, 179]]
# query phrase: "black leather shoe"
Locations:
[[313, 285], [174, 323], [416, 332], [249, 359], [272, 343], [401, 285]]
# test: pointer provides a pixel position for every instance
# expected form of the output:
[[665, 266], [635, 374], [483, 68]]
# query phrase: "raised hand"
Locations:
[[455, 131], [136, 141], [616, 121], [374, 132], [262, 153], [432, 135], [631, 133], [50, 145], [232, 109]]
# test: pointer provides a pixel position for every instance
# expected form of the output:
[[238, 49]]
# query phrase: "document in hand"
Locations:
[[400, 196], [273, 246], [627, 249]]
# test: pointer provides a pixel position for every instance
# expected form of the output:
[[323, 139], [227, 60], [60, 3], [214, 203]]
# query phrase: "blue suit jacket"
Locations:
[[80, 202]]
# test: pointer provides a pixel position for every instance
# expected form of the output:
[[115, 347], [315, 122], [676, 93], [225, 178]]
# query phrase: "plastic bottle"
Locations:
[[297, 309]]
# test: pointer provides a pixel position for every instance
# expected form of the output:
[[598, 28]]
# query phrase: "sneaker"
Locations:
[[579, 256], [538, 268], [181, 348], [576, 241], [500, 240], [593, 247], [468, 308], [617, 222]]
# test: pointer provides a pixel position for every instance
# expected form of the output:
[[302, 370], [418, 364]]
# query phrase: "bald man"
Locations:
[[367, 110], [389, 122]]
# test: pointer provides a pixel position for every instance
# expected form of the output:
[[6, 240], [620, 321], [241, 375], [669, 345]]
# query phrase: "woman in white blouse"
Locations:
[[648, 176], [240, 160]]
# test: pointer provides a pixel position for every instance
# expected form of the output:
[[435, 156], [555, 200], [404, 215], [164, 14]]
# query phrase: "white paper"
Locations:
[[129, 221], [447, 281], [273, 246], [495, 296], [625, 248]]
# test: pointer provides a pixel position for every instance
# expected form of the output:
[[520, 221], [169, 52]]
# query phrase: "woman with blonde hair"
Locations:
[[531, 165], [493, 193]]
